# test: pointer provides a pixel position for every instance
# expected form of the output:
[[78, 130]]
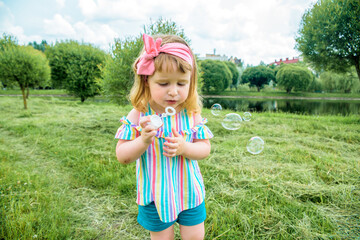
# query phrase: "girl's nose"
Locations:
[[173, 91]]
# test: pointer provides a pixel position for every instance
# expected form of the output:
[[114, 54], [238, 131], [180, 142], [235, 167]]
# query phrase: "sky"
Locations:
[[252, 30]]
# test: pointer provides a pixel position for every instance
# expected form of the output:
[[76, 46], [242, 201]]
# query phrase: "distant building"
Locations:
[[287, 61], [235, 60], [214, 56]]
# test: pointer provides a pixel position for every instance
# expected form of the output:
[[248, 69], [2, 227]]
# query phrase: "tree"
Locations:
[[329, 35], [235, 74], [7, 41], [41, 46], [117, 73], [315, 85], [257, 76], [83, 71], [23, 66], [59, 57], [165, 26], [76, 68], [344, 82], [215, 75], [294, 77]]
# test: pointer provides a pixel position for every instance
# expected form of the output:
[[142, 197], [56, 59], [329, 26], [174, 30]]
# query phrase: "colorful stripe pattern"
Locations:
[[174, 184]]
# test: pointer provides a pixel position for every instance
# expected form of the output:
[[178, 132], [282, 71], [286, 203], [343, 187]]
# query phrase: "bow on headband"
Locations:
[[146, 65]]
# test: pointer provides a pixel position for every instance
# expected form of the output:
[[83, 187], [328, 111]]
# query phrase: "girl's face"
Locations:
[[168, 88]]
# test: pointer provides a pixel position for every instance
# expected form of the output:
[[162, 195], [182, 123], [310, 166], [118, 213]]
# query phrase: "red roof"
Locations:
[[287, 61]]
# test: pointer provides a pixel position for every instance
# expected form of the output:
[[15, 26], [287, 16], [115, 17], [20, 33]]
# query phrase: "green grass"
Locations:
[[59, 177]]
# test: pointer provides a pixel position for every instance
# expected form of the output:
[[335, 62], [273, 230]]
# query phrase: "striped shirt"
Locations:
[[174, 184]]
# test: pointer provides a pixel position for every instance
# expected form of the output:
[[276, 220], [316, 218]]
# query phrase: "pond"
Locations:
[[300, 106]]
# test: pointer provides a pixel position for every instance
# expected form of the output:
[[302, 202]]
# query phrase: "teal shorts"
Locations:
[[148, 217]]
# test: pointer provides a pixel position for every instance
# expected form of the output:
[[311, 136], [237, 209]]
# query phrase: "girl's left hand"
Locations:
[[174, 145]]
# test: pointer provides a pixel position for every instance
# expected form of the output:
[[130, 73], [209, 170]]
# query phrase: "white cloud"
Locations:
[[98, 34], [59, 26], [60, 3], [7, 25], [109, 9], [251, 30]]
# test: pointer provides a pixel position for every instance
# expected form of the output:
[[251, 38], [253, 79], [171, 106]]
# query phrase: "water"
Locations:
[[310, 107]]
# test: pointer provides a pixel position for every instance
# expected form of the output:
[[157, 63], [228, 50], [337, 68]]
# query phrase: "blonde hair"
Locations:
[[140, 93]]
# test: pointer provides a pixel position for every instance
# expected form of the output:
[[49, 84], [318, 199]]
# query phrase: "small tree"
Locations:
[[235, 74], [117, 74], [83, 71], [39, 46], [76, 68], [215, 75], [294, 77], [257, 76], [344, 82], [165, 26], [59, 57], [23, 66], [315, 85], [7, 41]]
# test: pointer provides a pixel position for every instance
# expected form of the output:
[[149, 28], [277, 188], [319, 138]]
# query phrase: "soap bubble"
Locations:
[[216, 109], [255, 145], [232, 121], [247, 116]]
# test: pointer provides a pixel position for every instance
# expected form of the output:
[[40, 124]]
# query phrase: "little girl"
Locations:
[[170, 187]]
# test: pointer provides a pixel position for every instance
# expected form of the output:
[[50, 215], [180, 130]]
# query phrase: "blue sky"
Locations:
[[256, 30]]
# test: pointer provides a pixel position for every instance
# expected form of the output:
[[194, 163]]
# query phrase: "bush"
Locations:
[[292, 77], [340, 82], [257, 76], [215, 75], [75, 67]]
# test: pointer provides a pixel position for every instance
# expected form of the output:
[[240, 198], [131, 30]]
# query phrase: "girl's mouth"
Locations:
[[171, 101]]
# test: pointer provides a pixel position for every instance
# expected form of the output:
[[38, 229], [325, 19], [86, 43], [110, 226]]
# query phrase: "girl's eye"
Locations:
[[162, 84], [181, 84]]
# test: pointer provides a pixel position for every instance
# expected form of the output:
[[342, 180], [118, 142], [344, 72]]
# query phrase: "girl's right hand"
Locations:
[[148, 131]]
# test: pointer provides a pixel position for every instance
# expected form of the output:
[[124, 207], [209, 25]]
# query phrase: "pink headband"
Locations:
[[146, 65]]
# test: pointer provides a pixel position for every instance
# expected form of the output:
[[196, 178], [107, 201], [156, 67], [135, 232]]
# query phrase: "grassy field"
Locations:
[[59, 177]]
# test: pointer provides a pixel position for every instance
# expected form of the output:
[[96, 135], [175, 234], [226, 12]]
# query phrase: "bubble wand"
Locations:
[[156, 120]]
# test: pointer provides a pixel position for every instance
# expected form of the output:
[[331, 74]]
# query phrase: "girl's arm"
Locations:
[[128, 151], [196, 150]]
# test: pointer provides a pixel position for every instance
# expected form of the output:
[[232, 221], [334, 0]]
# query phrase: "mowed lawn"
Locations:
[[59, 177]]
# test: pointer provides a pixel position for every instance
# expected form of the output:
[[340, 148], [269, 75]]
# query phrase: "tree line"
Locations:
[[83, 70]]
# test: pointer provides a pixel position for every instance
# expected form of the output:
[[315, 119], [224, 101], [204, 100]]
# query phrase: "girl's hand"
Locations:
[[148, 131], [175, 145]]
